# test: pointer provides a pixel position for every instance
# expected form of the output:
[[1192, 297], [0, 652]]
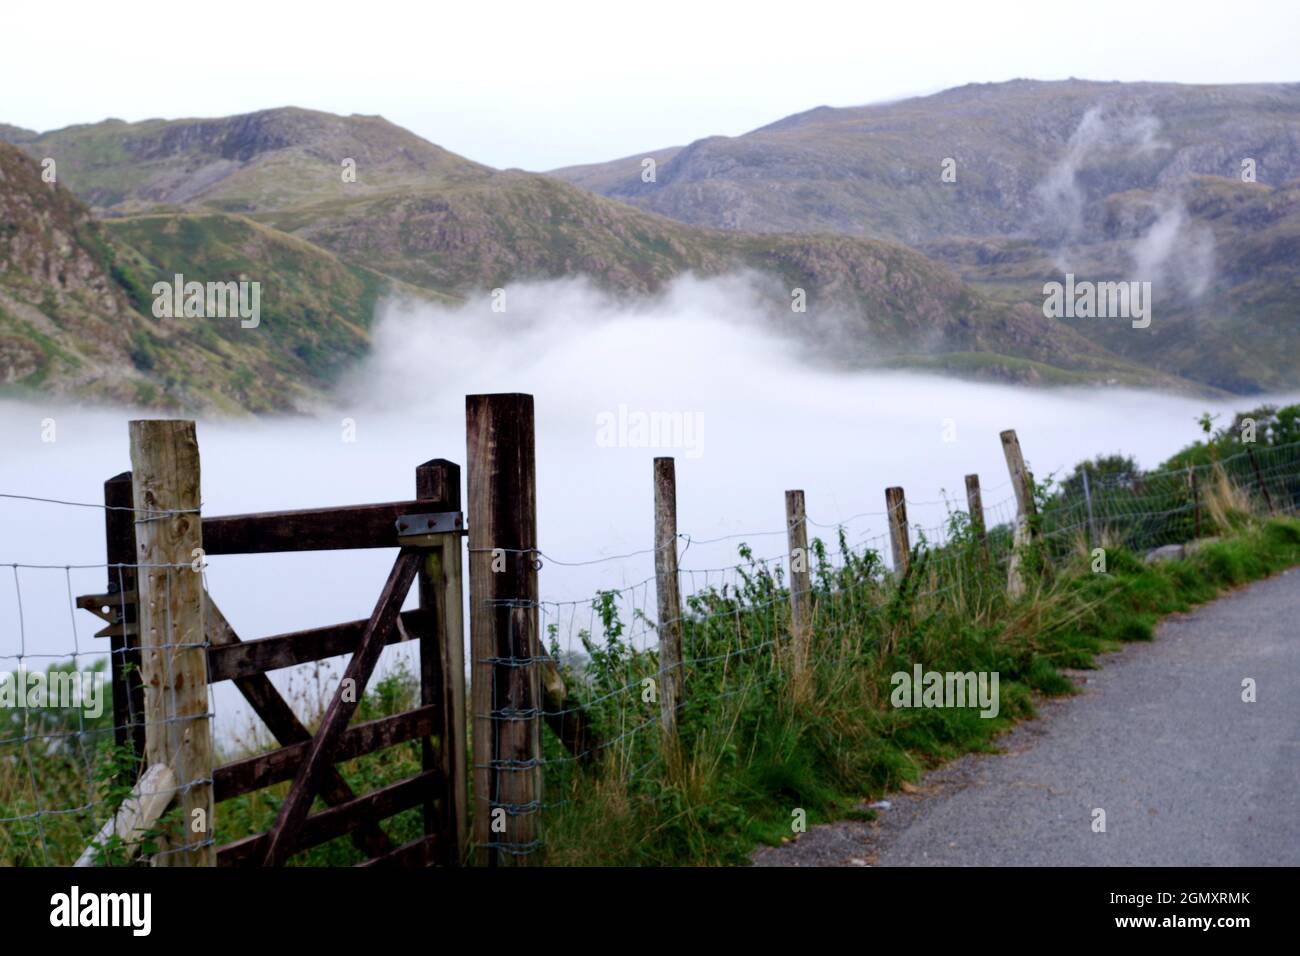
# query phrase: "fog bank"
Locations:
[[745, 417]]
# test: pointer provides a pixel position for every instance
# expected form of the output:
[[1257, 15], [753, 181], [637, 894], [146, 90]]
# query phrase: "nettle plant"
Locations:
[[114, 780]]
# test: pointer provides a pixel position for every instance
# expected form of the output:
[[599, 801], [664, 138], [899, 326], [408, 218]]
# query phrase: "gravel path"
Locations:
[[1159, 737]]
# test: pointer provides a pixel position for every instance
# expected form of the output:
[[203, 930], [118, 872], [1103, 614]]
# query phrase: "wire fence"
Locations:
[[737, 618], [66, 762]]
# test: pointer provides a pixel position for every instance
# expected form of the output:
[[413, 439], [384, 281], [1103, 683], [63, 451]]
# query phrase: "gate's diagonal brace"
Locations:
[[288, 729], [283, 836]]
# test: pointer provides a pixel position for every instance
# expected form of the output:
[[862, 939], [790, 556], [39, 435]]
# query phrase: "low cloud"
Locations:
[[1062, 200], [1176, 253], [566, 336], [740, 408]]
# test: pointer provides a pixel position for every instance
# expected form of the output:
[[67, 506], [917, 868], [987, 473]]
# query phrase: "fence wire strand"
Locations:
[[735, 623], [606, 648], [64, 768]]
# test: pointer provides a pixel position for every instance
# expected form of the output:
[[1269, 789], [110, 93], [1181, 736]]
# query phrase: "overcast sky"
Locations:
[[545, 84]]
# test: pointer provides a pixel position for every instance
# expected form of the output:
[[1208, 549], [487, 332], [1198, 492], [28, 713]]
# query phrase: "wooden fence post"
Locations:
[[147, 801], [1196, 500], [1022, 482], [975, 507], [796, 532], [169, 530], [668, 589], [1093, 540], [503, 593], [124, 647], [442, 663], [1259, 478], [896, 507]]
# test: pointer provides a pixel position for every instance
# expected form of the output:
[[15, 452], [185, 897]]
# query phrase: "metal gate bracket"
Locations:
[[425, 529]]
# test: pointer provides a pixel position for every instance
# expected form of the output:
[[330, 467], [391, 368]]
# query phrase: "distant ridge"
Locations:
[[269, 193]]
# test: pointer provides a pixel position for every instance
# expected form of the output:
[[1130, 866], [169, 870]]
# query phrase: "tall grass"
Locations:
[[754, 747], [62, 776], [753, 750]]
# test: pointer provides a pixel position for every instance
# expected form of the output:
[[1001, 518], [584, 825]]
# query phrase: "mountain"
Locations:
[[264, 196], [64, 320], [269, 159], [867, 299], [1189, 187], [1028, 156], [76, 301], [16, 134], [1222, 260]]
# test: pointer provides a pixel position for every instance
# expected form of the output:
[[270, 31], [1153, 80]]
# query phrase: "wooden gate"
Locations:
[[426, 531]]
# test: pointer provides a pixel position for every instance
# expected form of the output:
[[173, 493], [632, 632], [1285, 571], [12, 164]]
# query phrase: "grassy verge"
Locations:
[[58, 787], [754, 748], [748, 761], [758, 747]]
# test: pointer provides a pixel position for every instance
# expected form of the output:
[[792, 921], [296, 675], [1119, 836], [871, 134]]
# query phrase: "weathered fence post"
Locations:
[[1087, 501], [975, 506], [896, 507], [668, 589], [147, 801], [1023, 484], [796, 531], [442, 662], [1268, 499], [124, 646], [1196, 500], [1021, 480], [169, 534], [505, 691]]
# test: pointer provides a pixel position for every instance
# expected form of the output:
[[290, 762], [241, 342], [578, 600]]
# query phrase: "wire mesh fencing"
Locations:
[[69, 761], [69, 738], [737, 618], [1146, 510]]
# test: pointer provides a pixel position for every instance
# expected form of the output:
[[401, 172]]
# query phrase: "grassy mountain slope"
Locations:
[[1240, 334], [268, 159], [316, 310], [876, 170], [1108, 181], [866, 299], [261, 195], [76, 305]]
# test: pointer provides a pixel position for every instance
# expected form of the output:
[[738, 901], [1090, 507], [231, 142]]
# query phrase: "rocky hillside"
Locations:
[[66, 322], [1222, 259], [264, 160], [16, 134], [265, 196], [76, 305], [1030, 157], [1188, 187]]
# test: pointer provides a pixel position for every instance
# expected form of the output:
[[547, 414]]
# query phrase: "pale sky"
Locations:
[[544, 84]]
